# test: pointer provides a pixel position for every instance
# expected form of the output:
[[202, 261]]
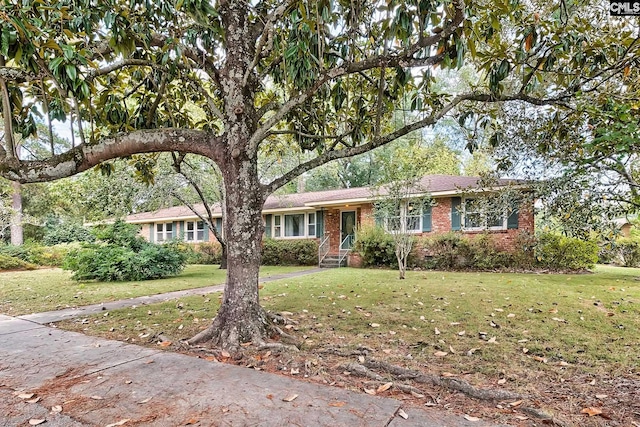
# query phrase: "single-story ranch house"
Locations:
[[332, 216]]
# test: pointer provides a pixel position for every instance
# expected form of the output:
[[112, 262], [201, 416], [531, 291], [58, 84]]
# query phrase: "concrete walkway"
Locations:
[[47, 317], [78, 380]]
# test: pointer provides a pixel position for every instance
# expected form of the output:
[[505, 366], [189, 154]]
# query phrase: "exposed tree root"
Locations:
[[234, 336], [278, 346], [400, 373], [360, 351]]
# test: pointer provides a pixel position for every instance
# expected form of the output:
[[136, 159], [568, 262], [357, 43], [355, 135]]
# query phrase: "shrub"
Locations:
[[33, 253], [565, 253], [289, 252], [66, 232], [448, 251], [628, 251], [486, 256], [376, 247], [122, 256], [205, 253], [12, 263]]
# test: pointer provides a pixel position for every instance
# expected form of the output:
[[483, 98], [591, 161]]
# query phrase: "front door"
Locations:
[[347, 229]]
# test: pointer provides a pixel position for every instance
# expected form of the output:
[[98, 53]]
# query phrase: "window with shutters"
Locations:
[[406, 218], [194, 231], [164, 232], [481, 216]]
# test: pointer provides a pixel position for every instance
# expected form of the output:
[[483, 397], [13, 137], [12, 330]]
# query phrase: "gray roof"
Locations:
[[432, 184]]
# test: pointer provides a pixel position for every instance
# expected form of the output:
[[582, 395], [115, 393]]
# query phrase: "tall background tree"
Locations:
[[322, 78]]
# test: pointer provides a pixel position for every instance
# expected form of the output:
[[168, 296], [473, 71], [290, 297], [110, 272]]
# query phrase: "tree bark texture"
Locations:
[[17, 235]]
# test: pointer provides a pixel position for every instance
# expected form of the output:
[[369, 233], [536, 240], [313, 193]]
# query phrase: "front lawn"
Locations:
[[568, 341], [23, 292]]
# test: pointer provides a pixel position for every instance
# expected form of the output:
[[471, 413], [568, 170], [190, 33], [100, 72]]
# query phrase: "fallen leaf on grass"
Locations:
[[119, 423], [384, 387], [470, 418], [521, 418], [290, 398], [97, 397], [452, 350], [36, 400], [557, 319], [370, 391], [516, 403], [540, 359], [402, 414], [338, 404], [144, 401], [417, 395], [26, 395], [191, 421], [210, 359], [473, 350], [36, 421], [448, 374], [492, 340], [502, 381], [437, 331], [601, 396], [374, 325], [56, 409], [592, 411], [165, 343], [225, 353]]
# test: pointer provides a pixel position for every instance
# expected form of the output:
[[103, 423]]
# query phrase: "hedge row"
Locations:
[[454, 251]]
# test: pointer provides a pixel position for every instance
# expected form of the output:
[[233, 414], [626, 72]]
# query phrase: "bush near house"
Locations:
[[376, 248], [454, 251], [565, 253], [627, 250], [204, 253], [289, 252], [121, 255]]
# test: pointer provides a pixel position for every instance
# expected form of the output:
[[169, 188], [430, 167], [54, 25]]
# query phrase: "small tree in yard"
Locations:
[[399, 210], [320, 78]]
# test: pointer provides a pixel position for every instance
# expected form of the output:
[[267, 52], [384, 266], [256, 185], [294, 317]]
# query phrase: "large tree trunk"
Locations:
[[17, 235], [240, 319]]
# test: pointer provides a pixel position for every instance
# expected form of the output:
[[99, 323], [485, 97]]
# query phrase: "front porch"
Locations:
[[340, 225]]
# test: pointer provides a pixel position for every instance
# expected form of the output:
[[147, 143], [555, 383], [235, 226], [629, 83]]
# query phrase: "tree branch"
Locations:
[[403, 59], [86, 156], [330, 155]]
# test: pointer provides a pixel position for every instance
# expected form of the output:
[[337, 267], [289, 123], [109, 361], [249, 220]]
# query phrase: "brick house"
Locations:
[[333, 216]]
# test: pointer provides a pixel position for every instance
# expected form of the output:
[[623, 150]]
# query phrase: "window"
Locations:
[[311, 224], [483, 216], [406, 218], [413, 216], [164, 232], [277, 226], [195, 231], [294, 225]]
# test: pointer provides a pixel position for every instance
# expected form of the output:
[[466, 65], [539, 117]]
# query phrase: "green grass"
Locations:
[[583, 323], [50, 289]]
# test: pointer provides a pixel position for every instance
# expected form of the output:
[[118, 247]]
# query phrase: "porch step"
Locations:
[[333, 261]]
